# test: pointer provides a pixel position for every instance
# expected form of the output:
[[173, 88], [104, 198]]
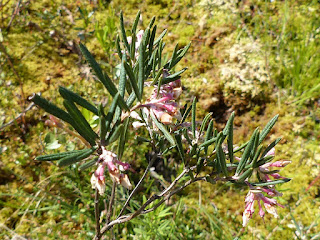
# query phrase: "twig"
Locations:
[[154, 157], [14, 13], [31, 105], [113, 191], [3, 49], [97, 214], [141, 210]]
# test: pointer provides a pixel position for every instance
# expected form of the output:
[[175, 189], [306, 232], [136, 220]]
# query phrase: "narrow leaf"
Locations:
[[270, 146], [67, 94], [160, 37], [163, 129], [193, 115], [246, 153], [57, 156], [123, 33], [123, 136], [204, 123], [208, 135], [186, 114], [135, 23], [111, 112], [268, 128], [68, 160], [262, 184], [51, 108], [88, 164], [173, 77], [221, 158], [132, 80], [80, 120], [179, 146]]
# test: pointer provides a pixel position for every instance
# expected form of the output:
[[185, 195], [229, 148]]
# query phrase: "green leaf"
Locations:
[[185, 134], [69, 95], [193, 115], [153, 19], [80, 123], [57, 156], [204, 123], [256, 156], [114, 133], [158, 40], [268, 128], [245, 175], [255, 145], [208, 135], [262, 184], [270, 146], [104, 78], [142, 49], [132, 80], [131, 99], [135, 23], [229, 131], [88, 164], [70, 159], [152, 36], [228, 125], [102, 123], [163, 129], [118, 47], [111, 112], [173, 77], [51, 108], [123, 136], [178, 58], [185, 114], [174, 55], [246, 153], [221, 158], [208, 142], [179, 146], [123, 33]]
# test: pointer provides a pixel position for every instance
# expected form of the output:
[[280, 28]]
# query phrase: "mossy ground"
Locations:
[[41, 201]]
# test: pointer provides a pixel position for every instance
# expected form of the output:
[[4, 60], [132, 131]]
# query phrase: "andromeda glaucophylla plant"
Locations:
[[205, 153]]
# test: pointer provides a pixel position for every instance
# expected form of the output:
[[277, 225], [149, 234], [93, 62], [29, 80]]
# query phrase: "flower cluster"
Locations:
[[256, 193], [162, 103], [110, 160]]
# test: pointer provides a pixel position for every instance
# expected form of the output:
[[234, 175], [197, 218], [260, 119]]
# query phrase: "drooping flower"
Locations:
[[110, 160], [264, 171], [256, 195], [162, 103]]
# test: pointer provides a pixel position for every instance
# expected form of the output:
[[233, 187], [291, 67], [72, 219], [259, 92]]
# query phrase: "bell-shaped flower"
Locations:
[[268, 203], [98, 179], [110, 160], [264, 171]]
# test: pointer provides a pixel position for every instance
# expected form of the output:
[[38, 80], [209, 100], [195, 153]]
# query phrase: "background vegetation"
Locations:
[[259, 58]]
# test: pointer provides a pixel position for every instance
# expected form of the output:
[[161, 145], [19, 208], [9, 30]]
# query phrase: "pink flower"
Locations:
[[264, 170], [256, 195], [162, 102], [98, 179], [110, 160]]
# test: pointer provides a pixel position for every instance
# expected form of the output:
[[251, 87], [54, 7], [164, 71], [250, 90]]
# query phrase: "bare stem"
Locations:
[[97, 214], [113, 191], [142, 210], [154, 157]]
